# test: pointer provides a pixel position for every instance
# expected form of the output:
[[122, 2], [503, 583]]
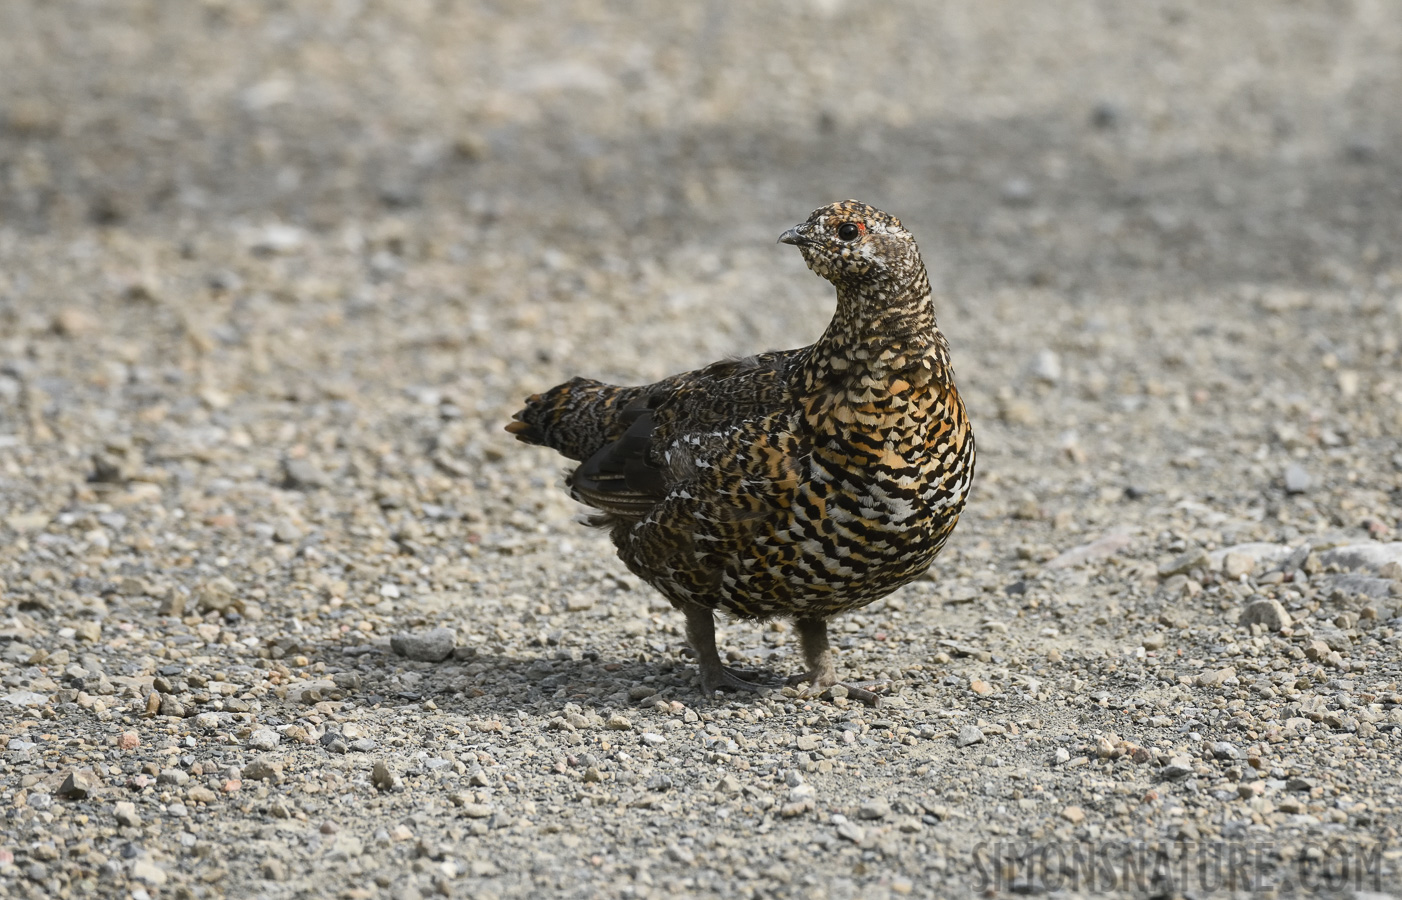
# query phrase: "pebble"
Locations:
[[1235, 565], [1297, 479], [75, 786], [1269, 614], [969, 734], [264, 739], [1073, 814], [263, 769], [302, 475], [1177, 767], [850, 831], [874, 809], [1225, 750], [382, 777], [435, 645], [126, 815], [1185, 562]]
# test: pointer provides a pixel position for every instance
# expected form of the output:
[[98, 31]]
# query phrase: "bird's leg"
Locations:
[[822, 663], [818, 653], [701, 634]]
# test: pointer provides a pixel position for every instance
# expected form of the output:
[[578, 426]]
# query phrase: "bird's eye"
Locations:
[[848, 231]]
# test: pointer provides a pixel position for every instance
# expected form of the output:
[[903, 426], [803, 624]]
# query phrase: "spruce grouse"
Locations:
[[800, 483]]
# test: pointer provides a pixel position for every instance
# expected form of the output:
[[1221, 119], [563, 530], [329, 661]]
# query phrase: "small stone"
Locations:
[[88, 631], [382, 777], [263, 769], [475, 810], [426, 646], [128, 740], [1297, 480], [982, 688], [1235, 564], [850, 831], [25, 698], [874, 809], [264, 739], [201, 794], [618, 722], [302, 475], [125, 812], [1216, 678], [273, 870], [1269, 614], [1177, 767], [641, 692], [172, 604], [1155, 641], [806, 742], [1061, 757], [969, 734], [579, 603], [1047, 366], [146, 870], [1074, 814], [1185, 562], [75, 786], [1225, 750]]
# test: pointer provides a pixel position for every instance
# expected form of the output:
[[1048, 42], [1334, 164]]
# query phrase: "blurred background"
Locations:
[[1065, 143]]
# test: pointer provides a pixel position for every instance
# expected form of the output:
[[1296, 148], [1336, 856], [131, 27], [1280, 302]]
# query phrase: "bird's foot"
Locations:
[[723, 678]]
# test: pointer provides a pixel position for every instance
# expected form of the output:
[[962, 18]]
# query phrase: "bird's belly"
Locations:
[[839, 548]]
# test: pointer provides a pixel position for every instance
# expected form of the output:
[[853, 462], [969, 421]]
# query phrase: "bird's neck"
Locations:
[[879, 329]]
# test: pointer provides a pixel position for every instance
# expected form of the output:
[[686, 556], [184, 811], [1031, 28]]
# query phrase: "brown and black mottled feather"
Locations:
[[799, 483]]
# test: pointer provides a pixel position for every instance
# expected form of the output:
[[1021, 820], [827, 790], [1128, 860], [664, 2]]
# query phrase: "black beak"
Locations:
[[794, 236]]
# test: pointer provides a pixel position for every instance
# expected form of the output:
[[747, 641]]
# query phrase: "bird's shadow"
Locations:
[[483, 684]]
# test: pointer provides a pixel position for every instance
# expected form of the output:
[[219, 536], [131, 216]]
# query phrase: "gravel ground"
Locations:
[[286, 614]]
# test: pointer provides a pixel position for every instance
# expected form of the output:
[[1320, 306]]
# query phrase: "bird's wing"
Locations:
[[709, 428]]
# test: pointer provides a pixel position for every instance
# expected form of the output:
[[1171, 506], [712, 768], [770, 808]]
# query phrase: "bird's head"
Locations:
[[850, 243]]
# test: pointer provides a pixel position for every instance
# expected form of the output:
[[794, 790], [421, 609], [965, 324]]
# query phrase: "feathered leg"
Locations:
[[701, 634]]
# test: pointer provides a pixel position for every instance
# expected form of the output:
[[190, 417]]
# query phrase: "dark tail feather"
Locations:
[[576, 418]]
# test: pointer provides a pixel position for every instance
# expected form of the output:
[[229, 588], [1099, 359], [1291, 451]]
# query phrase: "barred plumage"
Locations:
[[799, 483]]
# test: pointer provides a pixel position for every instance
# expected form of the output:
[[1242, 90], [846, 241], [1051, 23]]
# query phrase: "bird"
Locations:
[[796, 483]]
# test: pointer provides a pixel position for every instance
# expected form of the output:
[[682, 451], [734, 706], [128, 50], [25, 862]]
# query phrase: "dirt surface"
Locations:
[[274, 275]]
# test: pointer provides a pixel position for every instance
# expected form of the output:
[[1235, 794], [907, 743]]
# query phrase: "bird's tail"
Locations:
[[576, 418]]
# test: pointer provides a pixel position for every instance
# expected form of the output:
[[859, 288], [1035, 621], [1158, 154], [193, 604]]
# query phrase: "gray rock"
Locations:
[[969, 734], [382, 777], [426, 646], [263, 769], [874, 809], [1265, 612], [25, 698], [126, 815], [1177, 767], [1225, 750], [76, 786], [1185, 562], [1363, 556], [264, 739], [1297, 480], [302, 475]]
